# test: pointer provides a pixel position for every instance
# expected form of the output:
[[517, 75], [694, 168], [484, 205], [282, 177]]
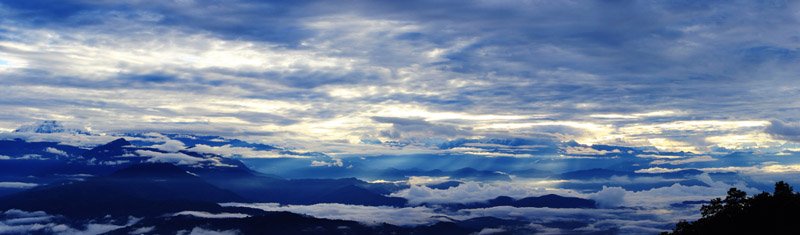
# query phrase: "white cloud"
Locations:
[[496, 154], [201, 231], [656, 170], [665, 196], [17, 185], [488, 231], [32, 156], [56, 151], [610, 197], [427, 180], [87, 141], [337, 162], [142, 230], [176, 158], [766, 168], [476, 192], [601, 219], [662, 113], [579, 150], [244, 152], [659, 156], [170, 145], [23, 222]]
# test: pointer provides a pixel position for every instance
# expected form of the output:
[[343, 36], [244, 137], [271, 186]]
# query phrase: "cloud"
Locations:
[[487, 231], [476, 192], [244, 152], [656, 170], [763, 168], [607, 197], [24, 222], [201, 231], [426, 180], [176, 158], [56, 151], [579, 150], [17, 185], [142, 230], [682, 161], [337, 73], [406, 128], [784, 130], [334, 162], [610, 197], [87, 141], [170, 145], [631, 220], [665, 196]]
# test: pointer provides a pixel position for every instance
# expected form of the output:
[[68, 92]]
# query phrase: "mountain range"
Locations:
[[177, 182]]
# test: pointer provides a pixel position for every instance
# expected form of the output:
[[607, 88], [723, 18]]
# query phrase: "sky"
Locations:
[[368, 76]]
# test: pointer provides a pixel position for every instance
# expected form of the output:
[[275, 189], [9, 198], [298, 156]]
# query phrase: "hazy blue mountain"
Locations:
[[463, 173]]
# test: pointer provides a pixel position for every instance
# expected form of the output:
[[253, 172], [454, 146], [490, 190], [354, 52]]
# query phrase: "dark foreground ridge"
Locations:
[[764, 213], [148, 189]]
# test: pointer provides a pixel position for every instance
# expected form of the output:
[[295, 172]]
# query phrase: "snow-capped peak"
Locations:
[[49, 127]]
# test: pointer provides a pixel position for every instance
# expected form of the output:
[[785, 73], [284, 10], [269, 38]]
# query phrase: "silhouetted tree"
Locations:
[[762, 213]]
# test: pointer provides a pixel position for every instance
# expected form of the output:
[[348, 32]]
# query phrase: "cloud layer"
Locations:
[[681, 76]]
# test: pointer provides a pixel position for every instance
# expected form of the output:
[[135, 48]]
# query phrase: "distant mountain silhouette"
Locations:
[[145, 189], [764, 213], [355, 195], [554, 201], [107, 151], [444, 185], [550, 201], [462, 173], [226, 173], [489, 222], [600, 173], [472, 173], [312, 191]]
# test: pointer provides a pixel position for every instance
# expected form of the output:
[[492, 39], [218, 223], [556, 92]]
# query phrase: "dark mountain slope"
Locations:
[[550, 201], [310, 191], [146, 189]]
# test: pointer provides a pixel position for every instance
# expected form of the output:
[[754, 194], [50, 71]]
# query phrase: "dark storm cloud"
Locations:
[[419, 127], [275, 21], [784, 130]]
